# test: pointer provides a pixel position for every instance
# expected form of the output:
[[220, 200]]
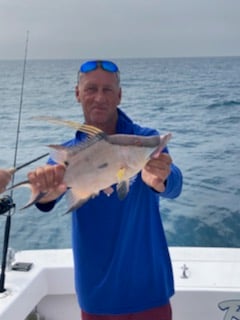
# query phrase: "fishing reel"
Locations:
[[6, 204]]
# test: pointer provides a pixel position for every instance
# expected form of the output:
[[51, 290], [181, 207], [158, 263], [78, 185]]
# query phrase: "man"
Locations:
[[122, 265], [5, 177]]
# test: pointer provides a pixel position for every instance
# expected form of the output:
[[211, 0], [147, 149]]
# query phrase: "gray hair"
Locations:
[[81, 74]]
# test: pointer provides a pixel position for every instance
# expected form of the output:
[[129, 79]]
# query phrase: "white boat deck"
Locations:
[[207, 282]]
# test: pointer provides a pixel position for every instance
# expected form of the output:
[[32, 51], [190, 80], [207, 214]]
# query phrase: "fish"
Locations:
[[100, 162]]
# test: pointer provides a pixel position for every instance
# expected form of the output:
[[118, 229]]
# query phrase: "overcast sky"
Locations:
[[119, 28]]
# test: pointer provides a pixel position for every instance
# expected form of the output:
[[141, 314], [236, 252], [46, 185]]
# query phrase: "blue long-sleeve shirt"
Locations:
[[121, 256]]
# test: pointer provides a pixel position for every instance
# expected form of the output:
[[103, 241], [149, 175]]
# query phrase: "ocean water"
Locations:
[[197, 99]]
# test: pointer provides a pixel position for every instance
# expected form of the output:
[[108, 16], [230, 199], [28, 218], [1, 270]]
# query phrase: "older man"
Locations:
[[122, 264]]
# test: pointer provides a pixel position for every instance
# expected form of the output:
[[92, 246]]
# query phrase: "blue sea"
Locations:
[[197, 99]]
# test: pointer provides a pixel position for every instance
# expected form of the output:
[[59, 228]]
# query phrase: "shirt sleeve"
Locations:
[[173, 183], [46, 206]]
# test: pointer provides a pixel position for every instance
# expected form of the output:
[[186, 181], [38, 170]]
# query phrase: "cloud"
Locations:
[[127, 28]]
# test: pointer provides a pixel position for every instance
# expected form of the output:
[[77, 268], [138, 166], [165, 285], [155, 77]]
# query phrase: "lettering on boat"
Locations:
[[231, 308]]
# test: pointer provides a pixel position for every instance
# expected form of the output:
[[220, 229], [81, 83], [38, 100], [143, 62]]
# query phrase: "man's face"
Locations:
[[99, 94]]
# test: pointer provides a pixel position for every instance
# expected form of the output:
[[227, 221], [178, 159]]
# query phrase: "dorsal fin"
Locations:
[[90, 130], [60, 153]]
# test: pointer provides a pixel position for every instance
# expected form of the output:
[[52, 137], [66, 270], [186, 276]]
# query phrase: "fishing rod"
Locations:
[[10, 203], [6, 202], [13, 170]]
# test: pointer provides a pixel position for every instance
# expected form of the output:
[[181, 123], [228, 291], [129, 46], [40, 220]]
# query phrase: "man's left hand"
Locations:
[[156, 171]]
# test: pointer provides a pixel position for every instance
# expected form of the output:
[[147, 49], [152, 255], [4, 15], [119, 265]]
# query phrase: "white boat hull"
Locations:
[[207, 282]]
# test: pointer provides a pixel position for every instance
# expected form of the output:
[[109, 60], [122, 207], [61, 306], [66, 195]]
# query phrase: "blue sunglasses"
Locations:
[[95, 64]]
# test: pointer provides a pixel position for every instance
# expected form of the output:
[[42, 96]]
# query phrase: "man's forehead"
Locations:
[[99, 77]]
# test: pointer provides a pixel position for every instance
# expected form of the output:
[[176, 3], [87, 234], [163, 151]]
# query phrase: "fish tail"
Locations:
[[24, 183], [35, 196]]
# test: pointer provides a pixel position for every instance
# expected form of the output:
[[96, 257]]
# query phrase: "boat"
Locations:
[[40, 283], [207, 282]]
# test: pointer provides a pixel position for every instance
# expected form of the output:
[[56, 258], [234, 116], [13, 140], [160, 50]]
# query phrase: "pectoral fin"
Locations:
[[123, 185], [120, 174], [122, 189]]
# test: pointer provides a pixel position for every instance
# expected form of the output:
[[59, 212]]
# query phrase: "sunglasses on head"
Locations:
[[95, 64]]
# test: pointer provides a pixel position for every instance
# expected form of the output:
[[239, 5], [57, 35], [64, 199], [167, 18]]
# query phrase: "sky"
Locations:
[[73, 29]]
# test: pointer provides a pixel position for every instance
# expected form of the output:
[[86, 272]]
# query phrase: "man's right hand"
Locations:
[[48, 178], [5, 177]]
